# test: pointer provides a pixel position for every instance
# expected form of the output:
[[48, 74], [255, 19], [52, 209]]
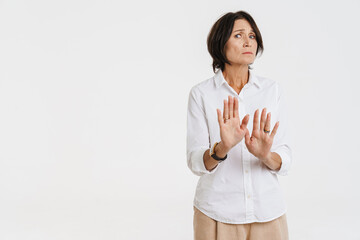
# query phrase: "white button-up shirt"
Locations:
[[240, 189]]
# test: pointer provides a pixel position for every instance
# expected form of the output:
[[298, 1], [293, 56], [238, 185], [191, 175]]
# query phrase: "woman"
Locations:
[[238, 195]]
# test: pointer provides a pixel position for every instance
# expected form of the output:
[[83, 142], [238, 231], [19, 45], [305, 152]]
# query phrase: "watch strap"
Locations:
[[213, 153]]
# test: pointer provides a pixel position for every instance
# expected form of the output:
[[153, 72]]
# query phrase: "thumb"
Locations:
[[247, 137], [245, 121]]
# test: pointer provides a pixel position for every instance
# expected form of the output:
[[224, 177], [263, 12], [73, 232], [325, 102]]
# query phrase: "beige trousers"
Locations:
[[206, 228]]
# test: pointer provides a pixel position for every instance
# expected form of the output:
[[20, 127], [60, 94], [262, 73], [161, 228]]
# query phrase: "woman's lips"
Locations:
[[247, 53]]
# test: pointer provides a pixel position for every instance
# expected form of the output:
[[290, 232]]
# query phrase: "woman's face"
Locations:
[[242, 40]]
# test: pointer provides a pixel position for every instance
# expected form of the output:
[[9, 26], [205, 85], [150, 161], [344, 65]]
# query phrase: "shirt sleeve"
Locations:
[[282, 142], [197, 135]]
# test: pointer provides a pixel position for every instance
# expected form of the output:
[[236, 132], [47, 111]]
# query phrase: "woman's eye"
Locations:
[[239, 35]]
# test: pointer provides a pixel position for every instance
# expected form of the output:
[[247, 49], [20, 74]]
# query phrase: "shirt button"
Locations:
[[248, 196]]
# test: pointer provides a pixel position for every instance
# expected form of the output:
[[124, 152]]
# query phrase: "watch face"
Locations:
[[213, 149]]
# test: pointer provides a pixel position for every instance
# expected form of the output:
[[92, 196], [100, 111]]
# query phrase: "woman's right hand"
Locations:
[[231, 132]]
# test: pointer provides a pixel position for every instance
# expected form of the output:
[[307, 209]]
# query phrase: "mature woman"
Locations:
[[238, 195]]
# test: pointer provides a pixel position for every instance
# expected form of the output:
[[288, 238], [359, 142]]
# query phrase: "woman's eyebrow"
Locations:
[[241, 30]]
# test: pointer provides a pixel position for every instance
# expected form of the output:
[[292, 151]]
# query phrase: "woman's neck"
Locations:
[[236, 76]]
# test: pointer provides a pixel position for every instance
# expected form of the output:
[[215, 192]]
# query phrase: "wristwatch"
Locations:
[[213, 154]]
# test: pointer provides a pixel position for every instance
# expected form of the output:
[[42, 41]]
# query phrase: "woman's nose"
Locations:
[[246, 42]]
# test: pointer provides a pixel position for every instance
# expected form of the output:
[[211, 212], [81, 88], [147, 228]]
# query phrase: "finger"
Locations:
[[262, 119], [268, 120], [245, 121], [256, 120], [231, 107], [226, 110], [220, 119], [275, 129], [236, 107]]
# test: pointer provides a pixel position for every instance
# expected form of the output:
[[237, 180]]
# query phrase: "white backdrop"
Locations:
[[93, 100]]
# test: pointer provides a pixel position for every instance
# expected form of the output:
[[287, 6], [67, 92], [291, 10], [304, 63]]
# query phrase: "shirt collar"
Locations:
[[219, 78]]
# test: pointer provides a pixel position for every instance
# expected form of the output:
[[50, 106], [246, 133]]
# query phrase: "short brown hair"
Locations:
[[220, 34]]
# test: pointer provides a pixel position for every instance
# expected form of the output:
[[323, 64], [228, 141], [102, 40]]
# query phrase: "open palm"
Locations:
[[260, 142], [231, 131]]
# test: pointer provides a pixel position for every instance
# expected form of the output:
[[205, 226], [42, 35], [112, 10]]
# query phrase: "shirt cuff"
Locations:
[[197, 162], [285, 163]]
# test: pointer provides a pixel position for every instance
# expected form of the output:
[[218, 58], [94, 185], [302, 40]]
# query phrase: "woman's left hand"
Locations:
[[259, 144]]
